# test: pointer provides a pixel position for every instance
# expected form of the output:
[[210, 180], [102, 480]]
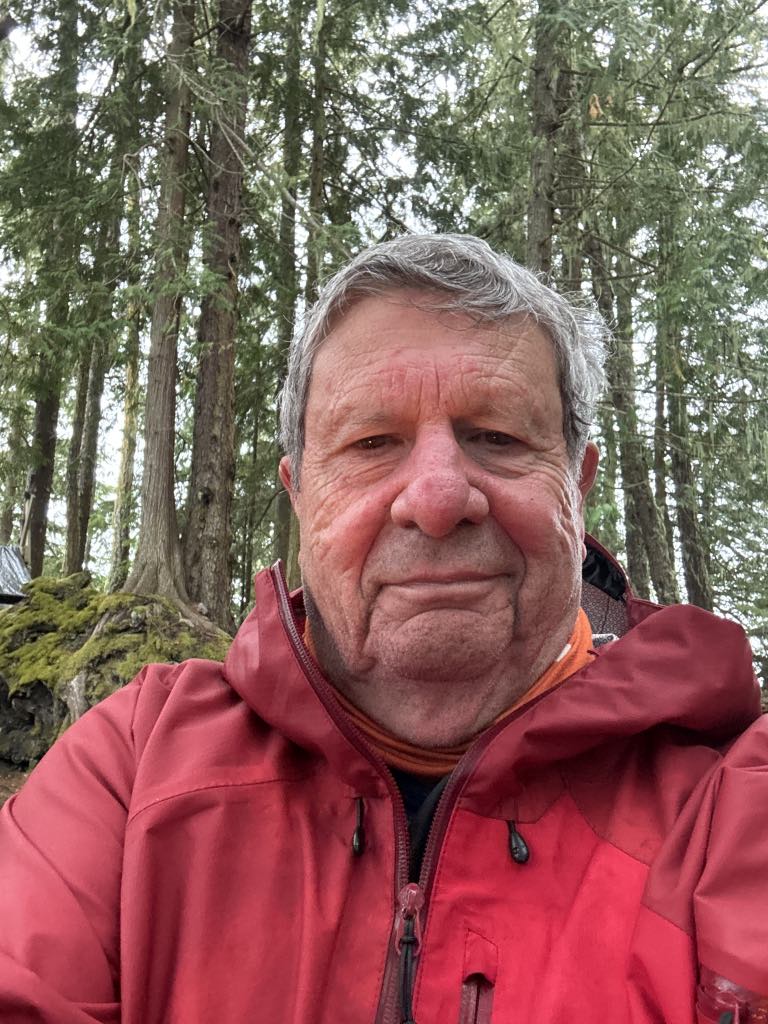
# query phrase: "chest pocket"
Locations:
[[481, 959]]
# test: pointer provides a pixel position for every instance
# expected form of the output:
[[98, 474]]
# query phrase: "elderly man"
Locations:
[[465, 776]]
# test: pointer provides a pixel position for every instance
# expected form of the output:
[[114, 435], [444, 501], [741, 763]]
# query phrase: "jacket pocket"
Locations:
[[481, 959], [476, 1000]]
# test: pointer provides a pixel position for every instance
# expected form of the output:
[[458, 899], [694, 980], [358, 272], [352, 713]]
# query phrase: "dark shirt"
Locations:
[[420, 796]]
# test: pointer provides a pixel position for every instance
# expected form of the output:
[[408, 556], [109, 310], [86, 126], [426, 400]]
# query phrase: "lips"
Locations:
[[445, 578], [425, 593]]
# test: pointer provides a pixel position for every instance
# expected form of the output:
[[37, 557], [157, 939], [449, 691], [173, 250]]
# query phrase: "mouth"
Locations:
[[432, 579], [452, 590]]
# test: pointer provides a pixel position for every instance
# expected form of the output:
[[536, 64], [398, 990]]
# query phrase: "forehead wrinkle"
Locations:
[[494, 379], [481, 388], [412, 383], [509, 397], [509, 386]]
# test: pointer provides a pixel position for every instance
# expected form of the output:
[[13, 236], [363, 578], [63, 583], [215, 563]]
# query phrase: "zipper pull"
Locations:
[[408, 944], [408, 920]]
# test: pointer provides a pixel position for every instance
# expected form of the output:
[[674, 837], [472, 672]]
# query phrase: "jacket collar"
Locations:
[[678, 666]]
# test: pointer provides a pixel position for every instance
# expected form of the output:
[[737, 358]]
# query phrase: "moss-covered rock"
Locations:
[[66, 646]]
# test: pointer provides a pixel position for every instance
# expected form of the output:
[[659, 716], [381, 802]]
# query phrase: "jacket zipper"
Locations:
[[388, 1002], [411, 898], [413, 903]]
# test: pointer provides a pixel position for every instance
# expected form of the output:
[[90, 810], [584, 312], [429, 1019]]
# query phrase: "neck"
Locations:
[[434, 713]]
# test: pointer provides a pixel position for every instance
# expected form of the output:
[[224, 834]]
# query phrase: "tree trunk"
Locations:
[[158, 566], [601, 511], [13, 473], [124, 499], [40, 478], [569, 195], [548, 33], [86, 476], [6, 522], [246, 587], [124, 496], [315, 247], [72, 562], [83, 453], [287, 285], [661, 443], [644, 525], [315, 240], [61, 254], [634, 514], [693, 544], [208, 532]]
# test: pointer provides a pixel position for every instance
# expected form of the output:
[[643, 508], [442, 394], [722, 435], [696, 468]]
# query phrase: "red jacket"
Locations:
[[184, 854]]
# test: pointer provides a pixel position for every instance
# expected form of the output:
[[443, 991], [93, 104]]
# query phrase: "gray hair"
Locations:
[[475, 280]]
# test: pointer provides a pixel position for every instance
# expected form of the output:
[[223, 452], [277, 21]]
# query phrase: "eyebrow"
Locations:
[[348, 418]]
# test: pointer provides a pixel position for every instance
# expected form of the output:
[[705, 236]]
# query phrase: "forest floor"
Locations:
[[11, 780]]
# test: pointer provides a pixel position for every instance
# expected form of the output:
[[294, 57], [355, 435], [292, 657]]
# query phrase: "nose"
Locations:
[[438, 493]]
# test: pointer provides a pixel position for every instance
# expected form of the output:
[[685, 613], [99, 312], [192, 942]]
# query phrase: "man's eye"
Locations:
[[368, 444], [493, 437]]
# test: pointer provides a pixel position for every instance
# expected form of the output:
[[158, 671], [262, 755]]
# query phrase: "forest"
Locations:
[[177, 179]]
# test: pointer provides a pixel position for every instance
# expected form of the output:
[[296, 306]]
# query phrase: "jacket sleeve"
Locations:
[[731, 899], [61, 842]]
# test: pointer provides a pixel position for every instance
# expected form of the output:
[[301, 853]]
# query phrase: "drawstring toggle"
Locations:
[[518, 847]]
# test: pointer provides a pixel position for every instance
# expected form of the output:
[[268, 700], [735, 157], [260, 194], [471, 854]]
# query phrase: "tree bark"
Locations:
[[644, 525], [72, 562], [548, 33], [40, 478], [246, 582], [601, 512], [158, 567], [124, 501], [287, 285], [693, 543], [62, 253], [134, 314], [315, 248], [83, 449], [570, 181], [661, 442], [13, 473], [634, 512], [86, 477], [208, 533]]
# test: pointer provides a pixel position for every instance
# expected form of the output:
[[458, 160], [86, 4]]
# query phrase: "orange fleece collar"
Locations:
[[434, 763]]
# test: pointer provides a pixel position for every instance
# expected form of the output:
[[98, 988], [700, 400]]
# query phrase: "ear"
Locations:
[[588, 469], [285, 473]]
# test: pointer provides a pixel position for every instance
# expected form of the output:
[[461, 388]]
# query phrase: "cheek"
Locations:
[[343, 525], [541, 517]]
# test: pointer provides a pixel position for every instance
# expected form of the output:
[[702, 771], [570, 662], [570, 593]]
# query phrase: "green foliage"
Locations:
[[51, 637], [426, 125]]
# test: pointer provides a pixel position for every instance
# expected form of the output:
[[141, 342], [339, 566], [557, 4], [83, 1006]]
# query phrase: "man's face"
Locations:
[[441, 527]]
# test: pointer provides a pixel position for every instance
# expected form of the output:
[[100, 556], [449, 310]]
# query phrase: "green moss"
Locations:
[[65, 628]]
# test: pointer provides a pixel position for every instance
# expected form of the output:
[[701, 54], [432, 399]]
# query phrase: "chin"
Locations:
[[444, 655]]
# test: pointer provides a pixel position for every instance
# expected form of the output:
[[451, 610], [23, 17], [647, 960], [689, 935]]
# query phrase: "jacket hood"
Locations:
[[676, 666]]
